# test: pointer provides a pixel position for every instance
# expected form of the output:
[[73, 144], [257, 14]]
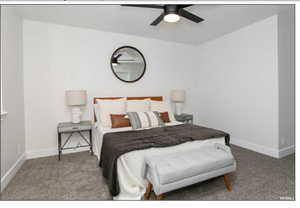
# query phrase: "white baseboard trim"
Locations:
[[52, 152], [12, 171], [286, 151], [263, 149], [255, 147]]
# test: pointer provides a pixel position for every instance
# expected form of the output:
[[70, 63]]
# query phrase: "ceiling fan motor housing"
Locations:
[[171, 9]]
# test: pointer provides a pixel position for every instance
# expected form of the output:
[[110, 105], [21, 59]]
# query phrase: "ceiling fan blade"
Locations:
[[158, 19], [118, 56], [181, 6], [153, 6], [190, 16]]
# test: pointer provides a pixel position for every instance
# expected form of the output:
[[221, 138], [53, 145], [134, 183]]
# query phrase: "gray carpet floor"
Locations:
[[78, 177]]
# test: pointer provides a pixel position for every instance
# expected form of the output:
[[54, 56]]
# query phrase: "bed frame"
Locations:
[[156, 98]]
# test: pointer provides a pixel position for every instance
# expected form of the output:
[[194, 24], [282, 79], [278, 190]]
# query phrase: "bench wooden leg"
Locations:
[[159, 197], [148, 192], [227, 182]]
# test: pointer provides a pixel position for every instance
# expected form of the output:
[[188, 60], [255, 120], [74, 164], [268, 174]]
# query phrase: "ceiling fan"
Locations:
[[171, 13]]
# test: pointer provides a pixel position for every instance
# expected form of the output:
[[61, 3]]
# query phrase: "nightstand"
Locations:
[[70, 129], [185, 118]]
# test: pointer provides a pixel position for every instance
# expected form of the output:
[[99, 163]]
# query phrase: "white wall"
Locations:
[[12, 126], [59, 58], [286, 68], [237, 87]]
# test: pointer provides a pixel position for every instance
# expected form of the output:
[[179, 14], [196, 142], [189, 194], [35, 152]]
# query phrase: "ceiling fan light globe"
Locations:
[[171, 18]]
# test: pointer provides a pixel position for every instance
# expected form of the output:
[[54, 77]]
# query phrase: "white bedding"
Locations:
[[131, 166]]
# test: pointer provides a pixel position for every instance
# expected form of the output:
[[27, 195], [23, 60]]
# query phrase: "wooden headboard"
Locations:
[[156, 98]]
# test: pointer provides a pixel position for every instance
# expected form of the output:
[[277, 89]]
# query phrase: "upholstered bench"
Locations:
[[176, 170]]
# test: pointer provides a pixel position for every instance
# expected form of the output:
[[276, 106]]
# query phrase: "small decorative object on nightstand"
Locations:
[[71, 128], [186, 118]]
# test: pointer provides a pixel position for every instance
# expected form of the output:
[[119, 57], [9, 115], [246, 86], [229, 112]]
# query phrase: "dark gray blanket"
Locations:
[[118, 143]]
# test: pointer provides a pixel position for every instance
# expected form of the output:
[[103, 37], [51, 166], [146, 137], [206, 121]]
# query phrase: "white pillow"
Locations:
[[162, 106], [97, 112], [138, 105], [107, 107]]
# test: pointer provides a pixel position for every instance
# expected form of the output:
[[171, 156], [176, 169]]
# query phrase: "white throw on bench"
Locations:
[[173, 171]]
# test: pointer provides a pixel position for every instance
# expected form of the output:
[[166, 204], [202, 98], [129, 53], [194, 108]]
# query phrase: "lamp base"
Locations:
[[76, 113], [178, 108]]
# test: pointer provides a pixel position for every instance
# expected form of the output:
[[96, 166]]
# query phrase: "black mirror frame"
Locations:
[[111, 66]]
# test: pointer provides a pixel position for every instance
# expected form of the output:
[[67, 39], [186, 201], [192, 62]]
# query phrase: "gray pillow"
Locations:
[[145, 119]]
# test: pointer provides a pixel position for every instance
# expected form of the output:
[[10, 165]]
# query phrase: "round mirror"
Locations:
[[128, 64]]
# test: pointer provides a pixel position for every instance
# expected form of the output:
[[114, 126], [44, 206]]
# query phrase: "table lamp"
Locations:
[[178, 97], [75, 99]]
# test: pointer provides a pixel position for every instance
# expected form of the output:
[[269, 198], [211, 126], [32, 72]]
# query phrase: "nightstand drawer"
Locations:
[[73, 128]]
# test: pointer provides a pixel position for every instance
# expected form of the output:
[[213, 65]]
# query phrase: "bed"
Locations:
[[131, 166]]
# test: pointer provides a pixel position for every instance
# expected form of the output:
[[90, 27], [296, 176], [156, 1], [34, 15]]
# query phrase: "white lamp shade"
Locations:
[[178, 96], [76, 97]]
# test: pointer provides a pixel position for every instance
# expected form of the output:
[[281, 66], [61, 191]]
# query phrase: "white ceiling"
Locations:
[[219, 19]]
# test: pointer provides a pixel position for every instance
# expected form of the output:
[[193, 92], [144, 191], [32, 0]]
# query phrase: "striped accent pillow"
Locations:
[[140, 120]]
